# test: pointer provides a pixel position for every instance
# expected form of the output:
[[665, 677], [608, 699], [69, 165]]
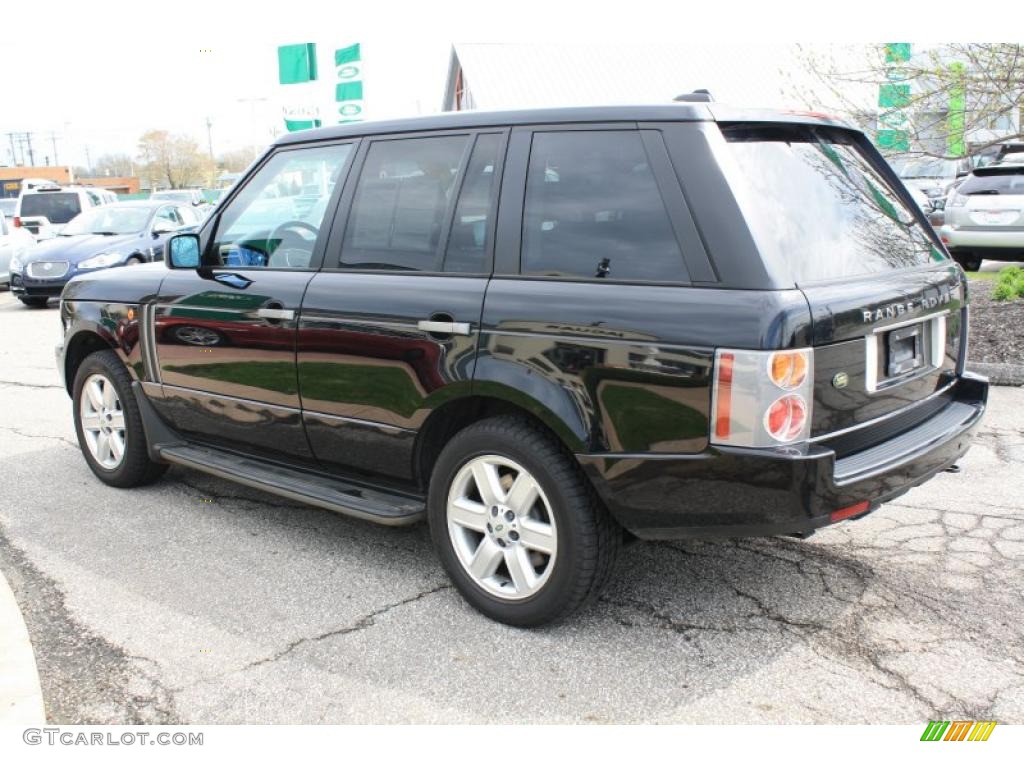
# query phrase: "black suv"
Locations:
[[542, 330]]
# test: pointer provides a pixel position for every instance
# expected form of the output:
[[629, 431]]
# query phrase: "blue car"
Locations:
[[116, 235]]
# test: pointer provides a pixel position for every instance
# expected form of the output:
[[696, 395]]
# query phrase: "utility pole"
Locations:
[[31, 154], [209, 137], [53, 140], [88, 160], [14, 152]]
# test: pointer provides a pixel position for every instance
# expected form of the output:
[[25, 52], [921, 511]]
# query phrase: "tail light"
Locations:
[[762, 399], [17, 221]]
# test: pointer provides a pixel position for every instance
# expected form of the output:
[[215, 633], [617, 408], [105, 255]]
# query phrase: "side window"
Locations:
[[593, 210], [275, 219], [467, 241], [401, 204], [167, 218]]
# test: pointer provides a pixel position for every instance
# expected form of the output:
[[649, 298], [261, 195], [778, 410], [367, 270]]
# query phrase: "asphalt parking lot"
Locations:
[[196, 600]]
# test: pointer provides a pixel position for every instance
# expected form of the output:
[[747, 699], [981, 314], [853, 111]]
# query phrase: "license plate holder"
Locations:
[[904, 350]]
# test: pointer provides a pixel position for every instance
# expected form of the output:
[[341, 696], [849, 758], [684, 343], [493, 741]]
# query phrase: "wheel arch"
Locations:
[[78, 347], [455, 415]]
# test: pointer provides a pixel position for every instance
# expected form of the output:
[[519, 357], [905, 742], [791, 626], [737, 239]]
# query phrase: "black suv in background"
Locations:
[[539, 330]]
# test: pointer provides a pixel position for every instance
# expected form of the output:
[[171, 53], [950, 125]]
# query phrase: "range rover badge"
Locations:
[[840, 380]]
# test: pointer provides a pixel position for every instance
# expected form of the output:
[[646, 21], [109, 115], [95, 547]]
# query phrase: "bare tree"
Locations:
[[238, 160], [952, 91], [116, 164], [173, 159]]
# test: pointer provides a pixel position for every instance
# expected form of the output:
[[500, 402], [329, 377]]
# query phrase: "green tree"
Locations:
[[173, 160]]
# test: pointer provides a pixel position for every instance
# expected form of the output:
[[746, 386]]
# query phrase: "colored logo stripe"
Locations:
[[958, 730]]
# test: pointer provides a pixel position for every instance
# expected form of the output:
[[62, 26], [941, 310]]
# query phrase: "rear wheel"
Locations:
[[969, 262], [33, 302], [133, 261], [517, 526], [109, 425]]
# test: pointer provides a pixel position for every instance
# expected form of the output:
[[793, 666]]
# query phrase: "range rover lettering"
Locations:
[[543, 332]]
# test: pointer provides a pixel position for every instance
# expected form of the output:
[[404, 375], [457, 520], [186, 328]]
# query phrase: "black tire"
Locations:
[[133, 261], [588, 539], [136, 468], [34, 302], [970, 263]]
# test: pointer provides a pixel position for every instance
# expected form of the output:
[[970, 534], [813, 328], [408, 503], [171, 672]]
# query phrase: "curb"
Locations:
[[1000, 374], [21, 698]]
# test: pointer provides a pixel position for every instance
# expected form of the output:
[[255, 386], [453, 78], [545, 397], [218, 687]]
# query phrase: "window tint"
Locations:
[[819, 208], [466, 243], [57, 207], [997, 181], [275, 219], [401, 204], [593, 210]]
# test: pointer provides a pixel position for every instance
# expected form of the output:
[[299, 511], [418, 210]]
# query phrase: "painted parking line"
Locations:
[[21, 699]]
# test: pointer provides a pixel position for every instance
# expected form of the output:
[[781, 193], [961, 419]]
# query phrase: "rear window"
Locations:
[[57, 207], [1003, 181], [819, 208]]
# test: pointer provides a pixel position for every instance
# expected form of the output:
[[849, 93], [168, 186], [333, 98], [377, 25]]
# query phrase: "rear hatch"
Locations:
[[886, 302], [48, 210]]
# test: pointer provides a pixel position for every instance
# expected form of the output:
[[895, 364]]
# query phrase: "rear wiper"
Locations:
[[985, 192], [105, 234]]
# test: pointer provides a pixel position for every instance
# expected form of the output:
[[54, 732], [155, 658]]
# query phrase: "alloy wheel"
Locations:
[[102, 421], [502, 527]]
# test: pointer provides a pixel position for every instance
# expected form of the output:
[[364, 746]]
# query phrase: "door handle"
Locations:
[[444, 327], [275, 313]]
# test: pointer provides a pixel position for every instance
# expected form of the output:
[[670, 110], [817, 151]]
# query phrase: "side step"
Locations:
[[336, 495]]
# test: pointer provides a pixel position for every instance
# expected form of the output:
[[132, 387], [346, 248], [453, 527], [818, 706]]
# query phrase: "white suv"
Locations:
[[984, 216], [44, 211]]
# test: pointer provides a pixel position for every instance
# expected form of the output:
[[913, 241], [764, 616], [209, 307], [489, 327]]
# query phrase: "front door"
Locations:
[[225, 333], [389, 328]]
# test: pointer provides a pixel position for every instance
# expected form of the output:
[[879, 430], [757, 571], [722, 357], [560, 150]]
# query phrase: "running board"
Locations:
[[333, 494]]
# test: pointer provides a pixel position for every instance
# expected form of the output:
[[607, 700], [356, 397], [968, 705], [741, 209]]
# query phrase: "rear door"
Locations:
[[225, 333], [389, 328], [887, 304]]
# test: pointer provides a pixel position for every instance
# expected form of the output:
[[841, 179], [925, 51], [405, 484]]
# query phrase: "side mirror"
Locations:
[[183, 252]]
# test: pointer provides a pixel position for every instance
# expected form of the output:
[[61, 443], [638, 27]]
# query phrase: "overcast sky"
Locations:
[[99, 74]]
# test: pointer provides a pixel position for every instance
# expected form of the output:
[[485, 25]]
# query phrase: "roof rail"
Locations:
[[701, 94]]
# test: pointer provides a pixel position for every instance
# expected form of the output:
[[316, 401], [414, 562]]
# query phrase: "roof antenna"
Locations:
[[701, 94]]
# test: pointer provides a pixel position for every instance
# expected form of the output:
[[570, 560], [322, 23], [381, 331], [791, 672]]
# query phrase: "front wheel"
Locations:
[[109, 425], [516, 524]]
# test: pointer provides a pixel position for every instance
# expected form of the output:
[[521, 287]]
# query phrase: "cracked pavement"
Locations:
[[196, 600]]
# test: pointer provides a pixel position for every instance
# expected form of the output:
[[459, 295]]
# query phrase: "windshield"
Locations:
[[57, 207], [178, 197], [818, 208], [926, 169], [1011, 183], [109, 220]]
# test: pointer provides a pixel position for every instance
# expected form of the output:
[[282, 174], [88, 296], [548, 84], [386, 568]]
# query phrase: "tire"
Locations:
[[133, 261], [34, 302], [116, 417], [970, 263], [566, 517]]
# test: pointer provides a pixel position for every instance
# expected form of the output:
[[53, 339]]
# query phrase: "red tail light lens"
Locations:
[[786, 418], [17, 221], [723, 409]]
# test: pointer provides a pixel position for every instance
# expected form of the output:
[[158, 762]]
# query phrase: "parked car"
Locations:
[[9, 208], [681, 321], [124, 234], [933, 176], [44, 210], [984, 216], [14, 244]]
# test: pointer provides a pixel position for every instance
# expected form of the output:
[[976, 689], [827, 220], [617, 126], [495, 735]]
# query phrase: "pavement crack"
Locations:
[[26, 385], [363, 622], [23, 433]]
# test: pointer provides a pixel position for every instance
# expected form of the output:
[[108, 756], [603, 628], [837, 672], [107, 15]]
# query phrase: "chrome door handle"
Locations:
[[269, 313], [439, 326]]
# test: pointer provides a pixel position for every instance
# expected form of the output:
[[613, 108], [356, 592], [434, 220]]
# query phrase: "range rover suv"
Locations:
[[543, 332]]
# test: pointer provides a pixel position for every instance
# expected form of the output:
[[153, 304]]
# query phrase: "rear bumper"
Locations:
[[766, 492], [1011, 242]]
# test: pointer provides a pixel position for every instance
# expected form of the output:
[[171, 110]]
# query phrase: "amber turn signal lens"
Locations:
[[787, 370]]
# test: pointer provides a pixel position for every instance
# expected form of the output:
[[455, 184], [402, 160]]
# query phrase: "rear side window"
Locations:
[[467, 241], [57, 207], [401, 204], [994, 182], [819, 208], [593, 210]]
